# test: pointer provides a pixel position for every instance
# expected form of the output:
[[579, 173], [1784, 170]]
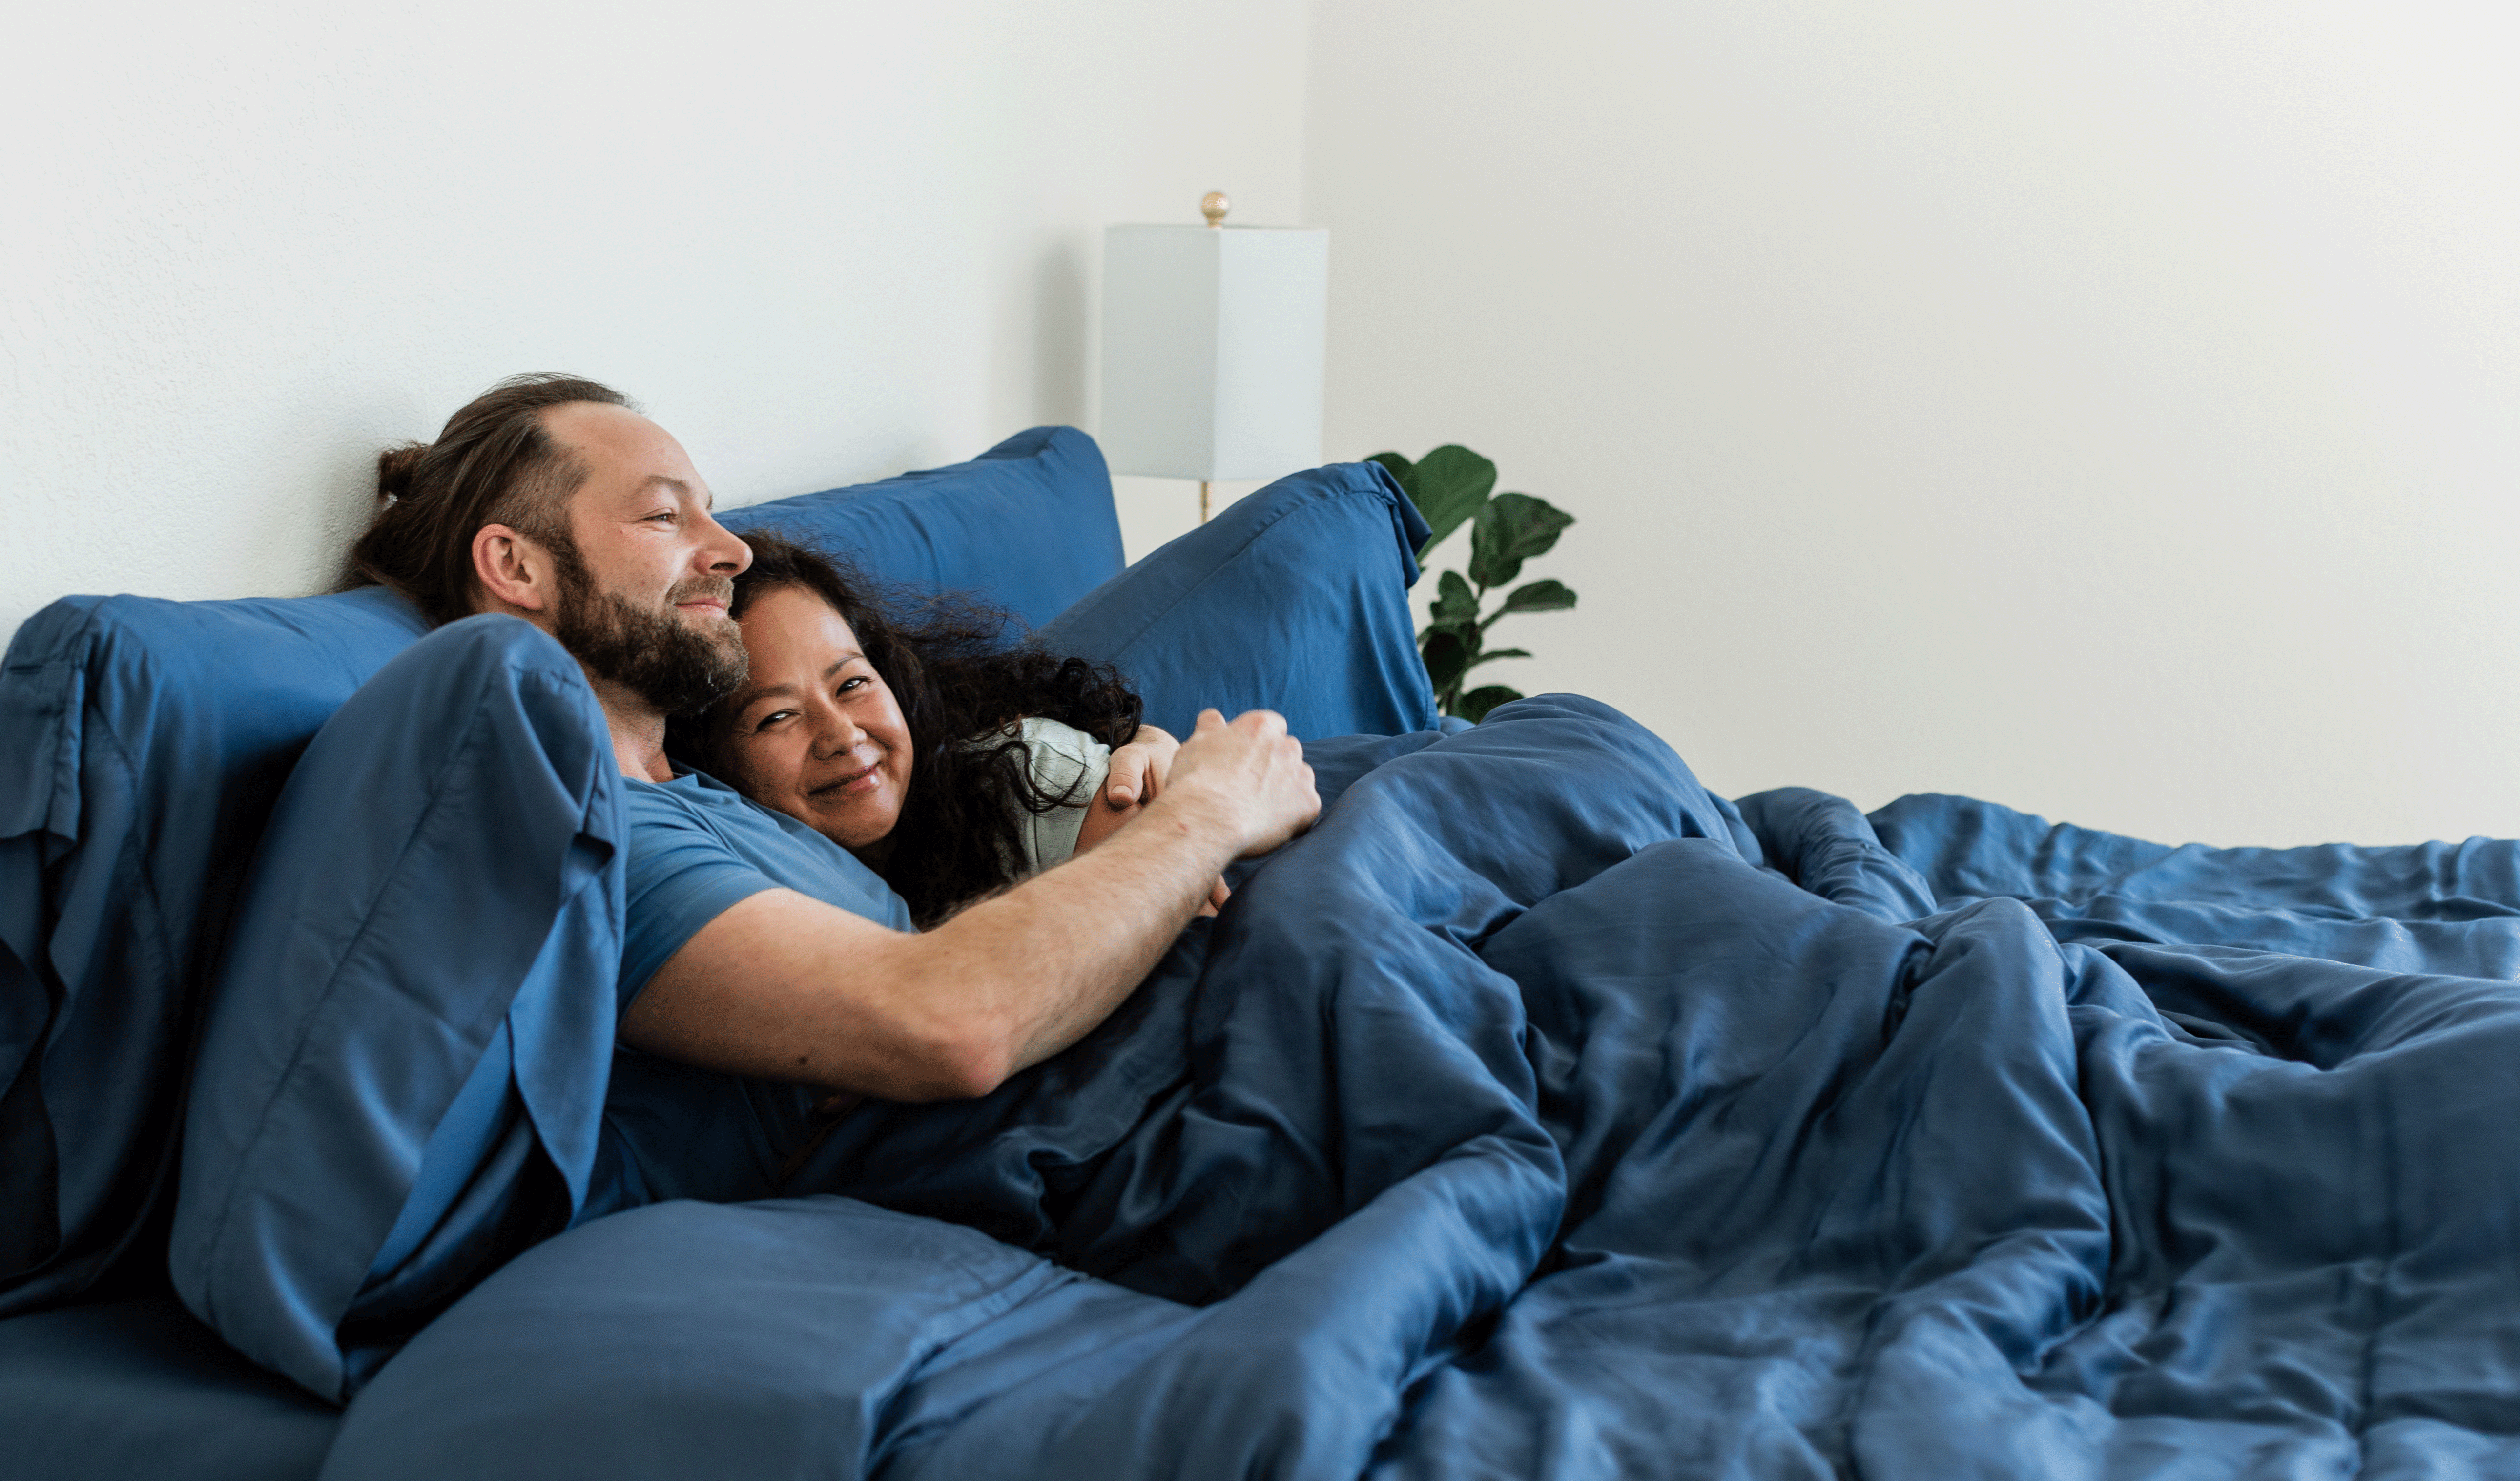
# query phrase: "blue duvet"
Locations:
[[1540, 1114]]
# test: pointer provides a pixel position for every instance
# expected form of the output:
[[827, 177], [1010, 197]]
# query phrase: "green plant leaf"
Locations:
[[1474, 705], [1456, 606], [1401, 468], [1502, 653], [1449, 486], [1512, 528], [1446, 660], [1455, 612], [1539, 596]]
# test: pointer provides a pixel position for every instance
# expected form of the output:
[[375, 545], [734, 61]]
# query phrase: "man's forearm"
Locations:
[[786, 987], [1045, 962]]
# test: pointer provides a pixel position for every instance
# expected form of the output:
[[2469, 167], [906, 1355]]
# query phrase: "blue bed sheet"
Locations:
[[1541, 1115]]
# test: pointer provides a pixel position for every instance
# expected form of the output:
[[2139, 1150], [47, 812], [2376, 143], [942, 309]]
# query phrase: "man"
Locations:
[[753, 945]]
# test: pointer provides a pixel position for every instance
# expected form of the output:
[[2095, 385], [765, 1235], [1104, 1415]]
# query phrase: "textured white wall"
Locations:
[[243, 247], [2112, 410]]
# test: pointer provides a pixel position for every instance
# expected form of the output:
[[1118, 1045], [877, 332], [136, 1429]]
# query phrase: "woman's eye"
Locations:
[[847, 685], [772, 718]]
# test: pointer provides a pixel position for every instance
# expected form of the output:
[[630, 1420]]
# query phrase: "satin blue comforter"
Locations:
[[1541, 1115]]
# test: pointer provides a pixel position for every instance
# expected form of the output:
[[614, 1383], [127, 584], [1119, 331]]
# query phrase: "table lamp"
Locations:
[[1212, 343]]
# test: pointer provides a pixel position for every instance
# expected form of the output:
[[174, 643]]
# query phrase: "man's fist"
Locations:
[[1250, 777]]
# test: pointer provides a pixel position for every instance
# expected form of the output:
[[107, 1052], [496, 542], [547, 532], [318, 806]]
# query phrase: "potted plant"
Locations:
[[1451, 485]]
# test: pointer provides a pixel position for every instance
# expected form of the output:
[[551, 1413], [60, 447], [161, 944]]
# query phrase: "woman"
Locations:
[[951, 765]]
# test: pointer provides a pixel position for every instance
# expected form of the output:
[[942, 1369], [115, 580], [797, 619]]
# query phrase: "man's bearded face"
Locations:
[[648, 651]]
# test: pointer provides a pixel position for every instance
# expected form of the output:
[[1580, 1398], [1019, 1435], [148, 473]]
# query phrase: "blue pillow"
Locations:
[[1294, 599], [770, 1339], [1028, 525], [401, 1080], [134, 1387], [145, 741]]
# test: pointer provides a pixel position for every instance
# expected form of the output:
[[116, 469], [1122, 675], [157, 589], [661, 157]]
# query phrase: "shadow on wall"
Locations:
[[340, 434], [1058, 291]]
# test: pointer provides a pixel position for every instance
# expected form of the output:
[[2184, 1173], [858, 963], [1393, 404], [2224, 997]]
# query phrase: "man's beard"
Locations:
[[649, 652]]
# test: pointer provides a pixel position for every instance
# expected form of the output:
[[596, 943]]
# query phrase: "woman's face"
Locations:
[[814, 732]]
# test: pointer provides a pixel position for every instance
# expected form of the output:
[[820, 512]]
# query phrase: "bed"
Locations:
[[1541, 1113]]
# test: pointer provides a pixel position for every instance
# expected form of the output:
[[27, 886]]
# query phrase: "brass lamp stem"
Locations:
[[1213, 206]]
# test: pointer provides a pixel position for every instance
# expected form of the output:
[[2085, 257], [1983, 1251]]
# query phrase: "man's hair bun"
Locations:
[[395, 468]]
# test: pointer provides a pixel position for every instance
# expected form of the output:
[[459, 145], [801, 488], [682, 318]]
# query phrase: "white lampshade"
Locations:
[[1212, 340]]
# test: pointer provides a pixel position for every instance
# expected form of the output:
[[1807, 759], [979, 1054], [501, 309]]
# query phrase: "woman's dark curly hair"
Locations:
[[956, 682]]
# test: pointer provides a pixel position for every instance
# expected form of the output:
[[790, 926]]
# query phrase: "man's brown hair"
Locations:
[[492, 463]]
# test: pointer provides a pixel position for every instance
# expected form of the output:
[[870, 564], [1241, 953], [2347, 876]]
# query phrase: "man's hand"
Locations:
[[1247, 778], [1138, 771]]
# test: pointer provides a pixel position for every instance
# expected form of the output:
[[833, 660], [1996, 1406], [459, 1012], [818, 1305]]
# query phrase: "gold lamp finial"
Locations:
[[1213, 206]]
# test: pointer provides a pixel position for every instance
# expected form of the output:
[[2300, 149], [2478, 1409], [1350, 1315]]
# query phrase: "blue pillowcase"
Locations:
[[767, 1339], [401, 1080], [1294, 599], [145, 741], [1028, 525], [134, 1387]]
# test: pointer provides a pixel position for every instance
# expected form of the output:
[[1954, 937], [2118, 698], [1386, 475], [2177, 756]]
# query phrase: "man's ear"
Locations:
[[515, 573]]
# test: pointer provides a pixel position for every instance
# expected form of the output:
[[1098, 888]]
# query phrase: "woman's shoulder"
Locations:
[[1063, 767], [1066, 763], [1040, 732]]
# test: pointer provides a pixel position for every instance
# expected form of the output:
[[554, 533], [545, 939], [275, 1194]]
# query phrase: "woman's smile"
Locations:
[[865, 780]]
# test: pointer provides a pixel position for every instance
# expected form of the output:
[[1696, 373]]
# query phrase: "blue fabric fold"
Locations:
[[400, 1084], [2451, 908], [1823, 844]]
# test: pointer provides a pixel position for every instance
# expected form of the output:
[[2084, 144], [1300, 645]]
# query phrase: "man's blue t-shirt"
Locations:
[[673, 1130], [697, 847]]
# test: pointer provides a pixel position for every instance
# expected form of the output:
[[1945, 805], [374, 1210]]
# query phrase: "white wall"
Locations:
[[2105, 409], [243, 247], [2113, 410]]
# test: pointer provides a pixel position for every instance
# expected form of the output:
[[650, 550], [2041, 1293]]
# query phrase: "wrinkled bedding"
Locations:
[[1541, 1115]]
